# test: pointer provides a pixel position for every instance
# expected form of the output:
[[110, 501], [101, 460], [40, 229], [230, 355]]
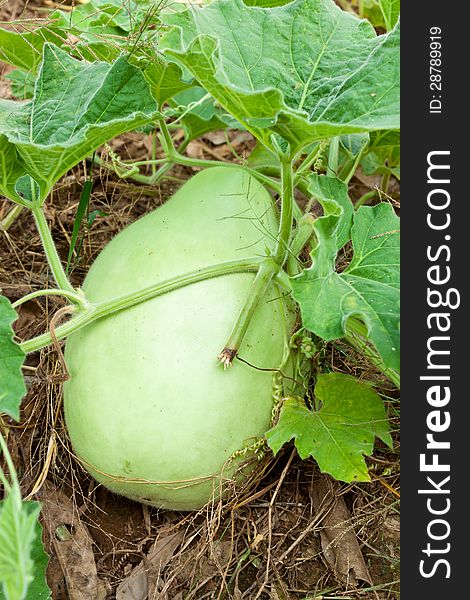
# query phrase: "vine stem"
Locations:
[[103, 309], [175, 157], [199, 162], [287, 211], [50, 250], [75, 297]]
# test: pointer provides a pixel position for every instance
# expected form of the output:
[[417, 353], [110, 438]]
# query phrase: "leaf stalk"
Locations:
[[50, 250]]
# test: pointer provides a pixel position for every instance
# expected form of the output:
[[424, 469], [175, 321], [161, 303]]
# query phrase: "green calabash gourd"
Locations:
[[150, 413]]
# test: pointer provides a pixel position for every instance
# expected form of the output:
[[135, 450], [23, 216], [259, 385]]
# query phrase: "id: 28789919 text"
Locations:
[[435, 70]]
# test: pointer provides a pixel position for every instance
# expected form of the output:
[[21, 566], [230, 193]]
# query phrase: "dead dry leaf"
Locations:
[[72, 544], [338, 538], [143, 581]]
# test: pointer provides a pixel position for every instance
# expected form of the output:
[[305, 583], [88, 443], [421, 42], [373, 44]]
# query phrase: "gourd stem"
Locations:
[[50, 250], [356, 336], [11, 217], [266, 272], [76, 298], [103, 309]]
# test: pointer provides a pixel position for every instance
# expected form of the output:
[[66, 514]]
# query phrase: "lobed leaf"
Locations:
[[256, 63], [341, 432], [12, 386], [65, 123], [368, 289]]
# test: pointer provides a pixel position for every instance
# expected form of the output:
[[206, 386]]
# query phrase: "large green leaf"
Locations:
[[341, 432], [257, 64], [76, 107], [368, 289], [12, 387]]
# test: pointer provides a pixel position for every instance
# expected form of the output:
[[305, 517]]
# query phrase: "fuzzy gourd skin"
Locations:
[[149, 411]]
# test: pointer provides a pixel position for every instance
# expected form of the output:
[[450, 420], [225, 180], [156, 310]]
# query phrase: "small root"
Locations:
[[226, 357]]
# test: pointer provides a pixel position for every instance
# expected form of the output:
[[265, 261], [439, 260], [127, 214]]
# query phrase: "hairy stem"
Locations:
[[50, 250], [198, 162], [287, 207], [103, 309], [76, 298]]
